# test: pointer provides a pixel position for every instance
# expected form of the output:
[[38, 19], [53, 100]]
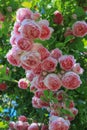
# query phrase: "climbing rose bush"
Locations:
[[47, 72]]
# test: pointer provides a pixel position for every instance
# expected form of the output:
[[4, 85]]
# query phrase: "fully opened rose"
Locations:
[[46, 71]]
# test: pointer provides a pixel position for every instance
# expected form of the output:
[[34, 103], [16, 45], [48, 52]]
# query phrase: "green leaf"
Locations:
[[79, 11], [67, 112], [68, 39], [46, 93], [77, 44]]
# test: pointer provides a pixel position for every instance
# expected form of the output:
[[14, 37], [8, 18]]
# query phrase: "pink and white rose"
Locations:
[[71, 80], [49, 64], [52, 82], [66, 62], [23, 83], [79, 28]]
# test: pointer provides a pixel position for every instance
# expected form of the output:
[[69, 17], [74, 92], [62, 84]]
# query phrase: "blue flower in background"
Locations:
[[42, 11]]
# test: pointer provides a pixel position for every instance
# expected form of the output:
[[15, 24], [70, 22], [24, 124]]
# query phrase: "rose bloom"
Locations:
[[23, 83], [35, 16], [16, 28], [35, 102], [19, 125], [39, 83], [54, 113], [33, 126], [24, 43], [23, 13], [77, 69], [66, 62], [59, 123], [38, 69], [44, 53], [30, 59], [30, 75], [58, 18], [12, 124], [30, 29], [79, 28], [13, 39], [56, 53], [46, 31], [71, 80], [25, 125], [38, 93], [22, 118], [44, 127], [60, 95], [52, 82], [49, 64], [3, 86], [71, 104], [13, 59]]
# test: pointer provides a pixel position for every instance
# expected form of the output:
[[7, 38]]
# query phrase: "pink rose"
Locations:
[[58, 17], [35, 102], [37, 69], [44, 53], [30, 75], [60, 95], [33, 126], [77, 69], [53, 113], [66, 62], [52, 82], [12, 124], [13, 39], [35, 16], [39, 93], [44, 127], [30, 29], [72, 104], [23, 83], [23, 13], [13, 59], [56, 53], [49, 64], [24, 43], [30, 59], [39, 83], [71, 80], [19, 125], [16, 28], [25, 125], [46, 31], [59, 124], [22, 118], [79, 29]]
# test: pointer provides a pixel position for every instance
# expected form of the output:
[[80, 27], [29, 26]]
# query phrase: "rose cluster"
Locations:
[[22, 124], [45, 70]]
